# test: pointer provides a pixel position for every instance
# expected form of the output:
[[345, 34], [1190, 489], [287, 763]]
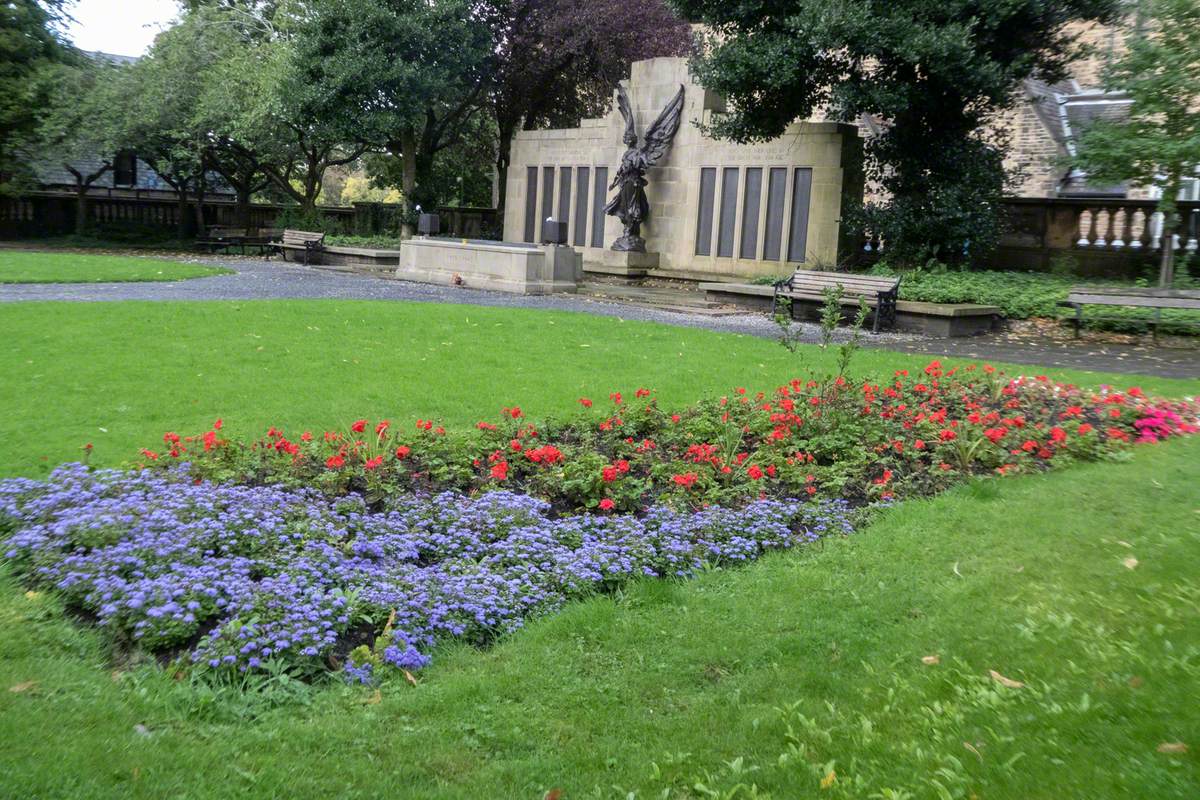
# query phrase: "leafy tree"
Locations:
[[406, 76], [557, 61], [83, 125], [1159, 144], [935, 72], [30, 40]]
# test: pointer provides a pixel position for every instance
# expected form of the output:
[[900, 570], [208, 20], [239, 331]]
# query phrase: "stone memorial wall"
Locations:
[[717, 209]]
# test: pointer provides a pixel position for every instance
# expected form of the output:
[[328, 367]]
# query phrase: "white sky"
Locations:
[[121, 27]]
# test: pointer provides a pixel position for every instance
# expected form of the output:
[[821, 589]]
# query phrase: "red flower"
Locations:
[[642, 393], [359, 426], [623, 466], [615, 397], [685, 480], [335, 462], [919, 444], [948, 435], [1085, 429], [210, 440], [402, 451], [217, 425], [754, 472], [382, 427], [608, 474], [675, 418], [515, 445], [606, 504], [372, 463], [1058, 435], [500, 470], [583, 401], [150, 454], [306, 436]]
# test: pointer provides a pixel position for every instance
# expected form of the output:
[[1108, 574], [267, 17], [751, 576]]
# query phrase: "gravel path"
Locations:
[[256, 279]]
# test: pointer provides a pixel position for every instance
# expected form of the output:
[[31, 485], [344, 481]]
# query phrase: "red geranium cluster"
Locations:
[[862, 441]]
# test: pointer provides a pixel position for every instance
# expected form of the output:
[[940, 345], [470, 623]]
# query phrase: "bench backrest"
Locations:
[[1140, 298], [219, 231], [302, 238], [852, 285]]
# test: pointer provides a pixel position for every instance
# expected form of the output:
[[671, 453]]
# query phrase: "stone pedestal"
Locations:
[[501, 266], [623, 264]]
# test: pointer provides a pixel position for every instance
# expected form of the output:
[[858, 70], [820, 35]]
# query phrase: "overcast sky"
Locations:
[[122, 27]]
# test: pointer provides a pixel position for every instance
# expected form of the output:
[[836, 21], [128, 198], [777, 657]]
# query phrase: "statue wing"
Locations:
[[626, 111], [660, 134]]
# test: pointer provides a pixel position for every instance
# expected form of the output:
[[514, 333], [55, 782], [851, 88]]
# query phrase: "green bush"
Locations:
[[1026, 295]]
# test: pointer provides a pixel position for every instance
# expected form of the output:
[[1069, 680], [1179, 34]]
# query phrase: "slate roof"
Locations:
[[1065, 110]]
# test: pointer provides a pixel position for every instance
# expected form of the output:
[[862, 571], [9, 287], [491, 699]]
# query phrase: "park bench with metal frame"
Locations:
[[1157, 300], [307, 242], [878, 292]]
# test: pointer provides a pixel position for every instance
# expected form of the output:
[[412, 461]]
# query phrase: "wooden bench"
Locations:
[[222, 237], [306, 242], [1156, 299], [879, 292]]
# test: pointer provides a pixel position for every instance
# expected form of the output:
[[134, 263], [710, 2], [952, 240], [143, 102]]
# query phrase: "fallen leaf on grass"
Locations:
[[375, 698], [31, 595], [1003, 681], [553, 794], [829, 780], [931, 660], [408, 676], [1172, 747], [23, 687], [972, 748], [1130, 563]]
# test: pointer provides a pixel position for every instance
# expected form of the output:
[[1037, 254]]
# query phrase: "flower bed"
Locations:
[[239, 577], [911, 435], [363, 547]]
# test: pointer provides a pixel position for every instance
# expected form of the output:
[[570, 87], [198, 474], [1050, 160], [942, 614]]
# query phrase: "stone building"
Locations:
[[717, 209]]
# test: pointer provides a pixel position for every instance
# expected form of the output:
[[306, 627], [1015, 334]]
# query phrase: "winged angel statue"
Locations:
[[630, 205]]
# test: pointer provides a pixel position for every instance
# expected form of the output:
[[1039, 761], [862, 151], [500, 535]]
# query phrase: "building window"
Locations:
[[531, 193], [599, 201], [798, 234], [708, 197], [581, 205], [125, 168]]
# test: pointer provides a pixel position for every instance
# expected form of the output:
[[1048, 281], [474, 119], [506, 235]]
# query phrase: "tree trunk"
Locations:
[[1170, 222], [503, 156], [241, 213], [82, 221], [199, 206], [181, 223], [408, 180]]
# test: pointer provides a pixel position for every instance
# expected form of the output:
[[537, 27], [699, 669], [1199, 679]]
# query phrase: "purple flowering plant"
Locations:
[[242, 578]]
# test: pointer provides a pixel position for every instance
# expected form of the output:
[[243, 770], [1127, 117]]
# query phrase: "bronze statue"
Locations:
[[630, 205]]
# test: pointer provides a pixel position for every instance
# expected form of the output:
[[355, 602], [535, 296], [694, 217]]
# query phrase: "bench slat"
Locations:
[[1089, 299]]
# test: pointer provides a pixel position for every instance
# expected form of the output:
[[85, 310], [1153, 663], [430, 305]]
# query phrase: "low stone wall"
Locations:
[[943, 320], [358, 260], [499, 266]]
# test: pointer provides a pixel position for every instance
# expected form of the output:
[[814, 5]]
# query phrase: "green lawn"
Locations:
[[23, 266], [120, 374], [774, 675]]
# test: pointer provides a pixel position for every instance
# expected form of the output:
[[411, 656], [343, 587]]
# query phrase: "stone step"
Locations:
[[656, 297]]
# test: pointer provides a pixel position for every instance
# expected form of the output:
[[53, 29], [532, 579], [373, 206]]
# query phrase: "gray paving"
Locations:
[[257, 279]]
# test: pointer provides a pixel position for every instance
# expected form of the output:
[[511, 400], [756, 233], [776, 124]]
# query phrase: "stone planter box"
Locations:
[[499, 266], [357, 260], [943, 320]]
